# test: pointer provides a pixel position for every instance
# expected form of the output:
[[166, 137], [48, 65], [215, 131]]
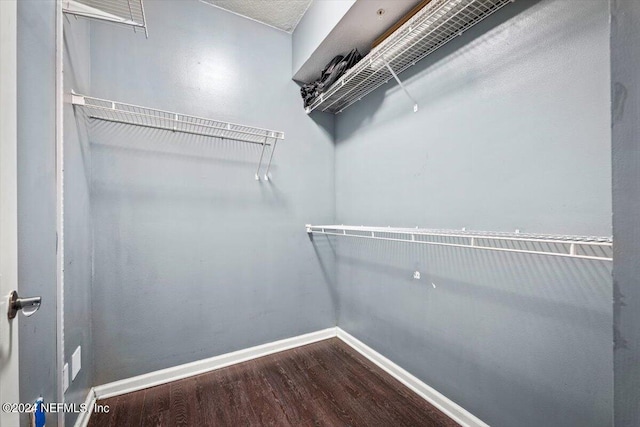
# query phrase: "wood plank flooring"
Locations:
[[322, 384]]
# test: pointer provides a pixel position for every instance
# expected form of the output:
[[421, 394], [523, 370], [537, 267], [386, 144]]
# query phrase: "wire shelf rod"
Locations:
[[580, 247], [82, 100], [436, 24], [372, 84], [378, 55], [130, 114], [173, 129], [175, 121], [125, 12], [549, 238]]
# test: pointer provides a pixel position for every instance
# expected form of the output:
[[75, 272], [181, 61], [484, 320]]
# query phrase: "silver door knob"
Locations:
[[27, 305]]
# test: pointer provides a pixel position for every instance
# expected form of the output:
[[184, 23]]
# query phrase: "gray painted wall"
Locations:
[[193, 258], [625, 87], [317, 22], [78, 227], [37, 198], [513, 132]]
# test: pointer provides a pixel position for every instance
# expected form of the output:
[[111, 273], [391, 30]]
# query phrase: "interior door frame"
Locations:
[[9, 351], [59, 209], [9, 370]]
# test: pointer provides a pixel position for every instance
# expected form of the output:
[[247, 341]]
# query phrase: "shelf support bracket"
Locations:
[[77, 99], [264, 146], [273, 150], [395, 76]]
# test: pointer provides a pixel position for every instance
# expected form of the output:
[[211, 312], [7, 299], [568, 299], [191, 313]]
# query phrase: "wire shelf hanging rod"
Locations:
[[439, 22], [136, 115], [499, 235], [560, 254], [124, 12], [375, 56], [174, 121], [600, 246], [81, 100], [172, 129]]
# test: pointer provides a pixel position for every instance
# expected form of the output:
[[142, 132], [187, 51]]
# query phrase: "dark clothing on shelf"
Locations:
[[331, 72]]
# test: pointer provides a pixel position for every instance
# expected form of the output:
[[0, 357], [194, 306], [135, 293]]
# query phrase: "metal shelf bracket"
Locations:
[[395, 76], [264, 146]]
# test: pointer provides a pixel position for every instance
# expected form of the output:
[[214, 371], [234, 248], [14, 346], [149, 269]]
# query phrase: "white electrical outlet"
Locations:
[[76, 363], [65, 376]]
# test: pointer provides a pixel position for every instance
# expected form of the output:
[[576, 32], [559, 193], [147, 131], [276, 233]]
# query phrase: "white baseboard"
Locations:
[[201, 366], [83, 417], [449, 407]]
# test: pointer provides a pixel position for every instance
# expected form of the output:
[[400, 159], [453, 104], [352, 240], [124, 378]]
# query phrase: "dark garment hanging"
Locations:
[[331, 72]]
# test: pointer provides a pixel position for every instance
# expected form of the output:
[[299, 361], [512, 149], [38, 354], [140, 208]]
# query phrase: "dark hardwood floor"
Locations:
[[322, 384]]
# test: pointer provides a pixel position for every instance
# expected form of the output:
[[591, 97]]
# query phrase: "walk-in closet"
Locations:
[[320, 213]]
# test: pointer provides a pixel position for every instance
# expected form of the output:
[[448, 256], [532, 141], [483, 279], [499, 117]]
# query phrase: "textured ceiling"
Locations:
[[281, 14]]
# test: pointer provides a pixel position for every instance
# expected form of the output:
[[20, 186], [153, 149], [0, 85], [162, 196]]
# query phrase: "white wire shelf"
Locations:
[[582, 247], [125, 12], [437, 23], [119, 112]]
